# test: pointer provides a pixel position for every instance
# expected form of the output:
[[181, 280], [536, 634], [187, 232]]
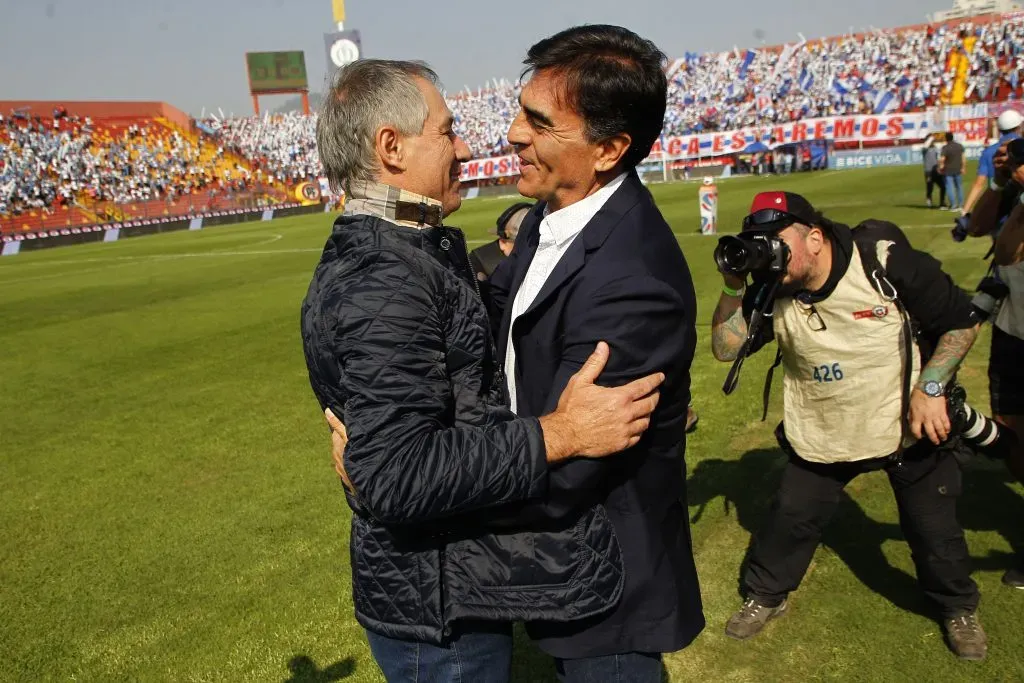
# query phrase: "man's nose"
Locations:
[[517, 131], [462, 151]]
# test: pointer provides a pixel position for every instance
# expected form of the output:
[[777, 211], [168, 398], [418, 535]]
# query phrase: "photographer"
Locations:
[[1008, 123], [844, 306], [1000, 215]]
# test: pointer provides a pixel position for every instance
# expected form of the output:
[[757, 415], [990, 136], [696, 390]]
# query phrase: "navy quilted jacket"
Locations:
[[398, 345]]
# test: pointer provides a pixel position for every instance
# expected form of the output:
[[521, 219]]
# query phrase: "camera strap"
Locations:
[[768, 384], [763, 301], [907, 339], [887, 290]]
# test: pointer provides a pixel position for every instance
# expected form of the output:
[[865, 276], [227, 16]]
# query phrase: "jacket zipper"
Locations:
[[500, 374]]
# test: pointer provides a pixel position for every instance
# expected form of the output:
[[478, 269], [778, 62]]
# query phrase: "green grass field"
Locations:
[[170, 513]]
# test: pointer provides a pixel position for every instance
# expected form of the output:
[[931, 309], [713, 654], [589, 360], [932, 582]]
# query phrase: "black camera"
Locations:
[[743, 254], [980, 432], [1015, 152], [960, 227], [991, 290]]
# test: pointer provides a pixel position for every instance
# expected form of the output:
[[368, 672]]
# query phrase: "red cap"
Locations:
[[786, 202]]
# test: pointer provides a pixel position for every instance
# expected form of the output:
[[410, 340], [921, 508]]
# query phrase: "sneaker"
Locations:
[[1014, 578], [966, 637], [751, 618], [929, 203]]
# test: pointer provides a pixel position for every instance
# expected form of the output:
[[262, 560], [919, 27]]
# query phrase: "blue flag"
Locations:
[[748, 59], [806, 80], [886, 102]]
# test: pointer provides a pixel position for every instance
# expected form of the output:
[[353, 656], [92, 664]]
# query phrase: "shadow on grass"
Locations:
[[305, 670], [747, 486]]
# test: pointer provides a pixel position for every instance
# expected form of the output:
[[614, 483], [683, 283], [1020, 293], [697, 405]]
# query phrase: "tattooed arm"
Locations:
[[949, 353], [928, 415], [728, 327]]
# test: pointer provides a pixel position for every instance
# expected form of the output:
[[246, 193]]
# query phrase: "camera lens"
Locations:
[[734, 255], [742, 255]]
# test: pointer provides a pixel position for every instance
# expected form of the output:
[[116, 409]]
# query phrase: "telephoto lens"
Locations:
[[990, 292], [979, 431]]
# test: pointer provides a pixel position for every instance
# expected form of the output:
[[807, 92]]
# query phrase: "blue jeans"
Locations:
[[483, 654], [955, 191], [480, 654], [633, 667]]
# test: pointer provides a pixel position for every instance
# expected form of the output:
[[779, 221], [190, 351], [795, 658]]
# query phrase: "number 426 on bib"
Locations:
[[828, 373]]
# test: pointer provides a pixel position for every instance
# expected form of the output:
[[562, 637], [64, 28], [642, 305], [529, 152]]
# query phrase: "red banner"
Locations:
[[749, 140]]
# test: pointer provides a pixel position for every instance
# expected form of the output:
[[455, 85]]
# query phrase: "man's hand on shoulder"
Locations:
[[339, 439], [592, 421]]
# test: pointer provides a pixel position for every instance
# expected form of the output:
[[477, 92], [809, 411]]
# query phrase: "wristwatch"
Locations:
[[933, 388]]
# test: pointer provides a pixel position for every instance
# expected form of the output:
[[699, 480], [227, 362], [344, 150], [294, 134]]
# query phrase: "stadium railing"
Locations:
[[99, 213]]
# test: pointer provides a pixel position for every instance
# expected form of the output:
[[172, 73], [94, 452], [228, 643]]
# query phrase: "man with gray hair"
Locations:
[[436, 467]]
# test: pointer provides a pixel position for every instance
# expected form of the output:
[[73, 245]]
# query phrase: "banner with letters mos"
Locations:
[[864, 128], [496, 167]]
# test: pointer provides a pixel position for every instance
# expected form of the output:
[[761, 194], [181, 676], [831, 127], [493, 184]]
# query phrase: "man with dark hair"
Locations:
[[436, 468], [870, 335], [595, 260], [953, 166], [932, 177]]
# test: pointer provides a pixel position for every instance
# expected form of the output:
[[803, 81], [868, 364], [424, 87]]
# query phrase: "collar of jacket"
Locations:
[[393, 204], [594, 234], [596, 231], [436, 240]]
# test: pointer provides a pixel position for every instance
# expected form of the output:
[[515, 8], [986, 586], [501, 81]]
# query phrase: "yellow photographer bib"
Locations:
[[843, 364]]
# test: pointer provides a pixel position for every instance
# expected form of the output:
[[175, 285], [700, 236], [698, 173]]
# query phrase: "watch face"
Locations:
[[933, 388]]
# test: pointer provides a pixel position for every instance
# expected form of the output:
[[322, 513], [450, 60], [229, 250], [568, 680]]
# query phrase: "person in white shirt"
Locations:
[[596, 261]]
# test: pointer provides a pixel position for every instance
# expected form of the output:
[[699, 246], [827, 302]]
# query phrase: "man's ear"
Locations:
[[818, 238], [390, 148], [610, 151]]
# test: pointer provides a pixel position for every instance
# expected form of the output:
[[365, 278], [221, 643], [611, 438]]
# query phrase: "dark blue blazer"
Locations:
[[625, 281]]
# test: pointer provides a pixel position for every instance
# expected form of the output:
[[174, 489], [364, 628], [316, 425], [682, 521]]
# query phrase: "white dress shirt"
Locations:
[[558, 230]]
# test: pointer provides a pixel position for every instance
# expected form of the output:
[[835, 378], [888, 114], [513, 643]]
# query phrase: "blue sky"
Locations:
[[190, 53]]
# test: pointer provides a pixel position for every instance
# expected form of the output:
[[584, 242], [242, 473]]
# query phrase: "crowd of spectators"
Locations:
[[51, 162], [283, 146]]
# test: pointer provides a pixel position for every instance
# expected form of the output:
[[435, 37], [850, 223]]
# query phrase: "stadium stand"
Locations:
[[78, 163], [65, 164]]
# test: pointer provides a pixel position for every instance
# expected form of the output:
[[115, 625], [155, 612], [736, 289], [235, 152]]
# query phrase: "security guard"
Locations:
[[846, 317]]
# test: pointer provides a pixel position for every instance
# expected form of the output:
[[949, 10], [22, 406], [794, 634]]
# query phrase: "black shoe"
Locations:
[[1014, 578]]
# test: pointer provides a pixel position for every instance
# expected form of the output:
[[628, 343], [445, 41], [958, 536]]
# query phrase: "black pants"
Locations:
[[933, 178], [927, 486]]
